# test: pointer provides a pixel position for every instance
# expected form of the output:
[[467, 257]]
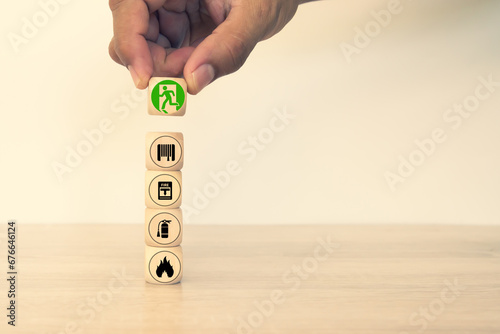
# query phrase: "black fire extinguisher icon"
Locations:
[[163, 229]]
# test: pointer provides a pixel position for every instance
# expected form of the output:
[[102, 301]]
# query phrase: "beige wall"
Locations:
[[353, 120]]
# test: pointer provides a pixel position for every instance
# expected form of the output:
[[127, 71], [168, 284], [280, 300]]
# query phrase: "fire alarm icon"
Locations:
[[165, 191]]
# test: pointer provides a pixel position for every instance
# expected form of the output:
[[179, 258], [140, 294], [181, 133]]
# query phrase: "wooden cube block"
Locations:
[[163, 265], [163, 189], [163, 227], [164, 151], [167, 96]]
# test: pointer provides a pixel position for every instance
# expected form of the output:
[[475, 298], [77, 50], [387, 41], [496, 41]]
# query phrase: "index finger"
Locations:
[[130, 26]]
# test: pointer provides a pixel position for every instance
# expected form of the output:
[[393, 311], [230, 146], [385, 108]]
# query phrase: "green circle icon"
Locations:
[[168, 96]]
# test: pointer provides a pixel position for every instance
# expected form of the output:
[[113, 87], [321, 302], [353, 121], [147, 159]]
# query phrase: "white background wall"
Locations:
[[353, 120]]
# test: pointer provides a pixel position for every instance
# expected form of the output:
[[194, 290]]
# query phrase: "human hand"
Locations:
[[200, 39]]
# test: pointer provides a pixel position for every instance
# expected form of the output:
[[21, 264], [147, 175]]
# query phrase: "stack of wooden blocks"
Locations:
[[164, 161]]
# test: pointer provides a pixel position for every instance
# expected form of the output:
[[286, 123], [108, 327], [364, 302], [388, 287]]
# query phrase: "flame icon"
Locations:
[[166, 267]]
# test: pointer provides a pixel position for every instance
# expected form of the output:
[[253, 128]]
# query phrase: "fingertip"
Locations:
[[140, 79], [141, 70], [200, 78]]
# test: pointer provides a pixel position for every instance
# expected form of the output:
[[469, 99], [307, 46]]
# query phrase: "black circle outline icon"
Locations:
[[178, 272], [165, 205], [151, 153], [178, 222]]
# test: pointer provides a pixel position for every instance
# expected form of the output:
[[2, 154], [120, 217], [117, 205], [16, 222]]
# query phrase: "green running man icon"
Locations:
[[169, 98]]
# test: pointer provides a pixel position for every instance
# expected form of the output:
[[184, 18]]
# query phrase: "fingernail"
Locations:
[[202, 76], [135, 76]]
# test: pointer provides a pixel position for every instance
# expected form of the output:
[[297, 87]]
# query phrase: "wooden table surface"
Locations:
[[261, 279]]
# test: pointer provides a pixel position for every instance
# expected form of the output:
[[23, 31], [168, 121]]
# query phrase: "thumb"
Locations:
[[224, 51]]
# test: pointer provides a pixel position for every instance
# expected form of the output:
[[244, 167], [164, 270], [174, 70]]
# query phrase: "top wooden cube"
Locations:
[[167, 96]]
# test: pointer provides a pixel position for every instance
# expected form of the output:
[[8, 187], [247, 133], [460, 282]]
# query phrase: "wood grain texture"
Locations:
[[261, 279]]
